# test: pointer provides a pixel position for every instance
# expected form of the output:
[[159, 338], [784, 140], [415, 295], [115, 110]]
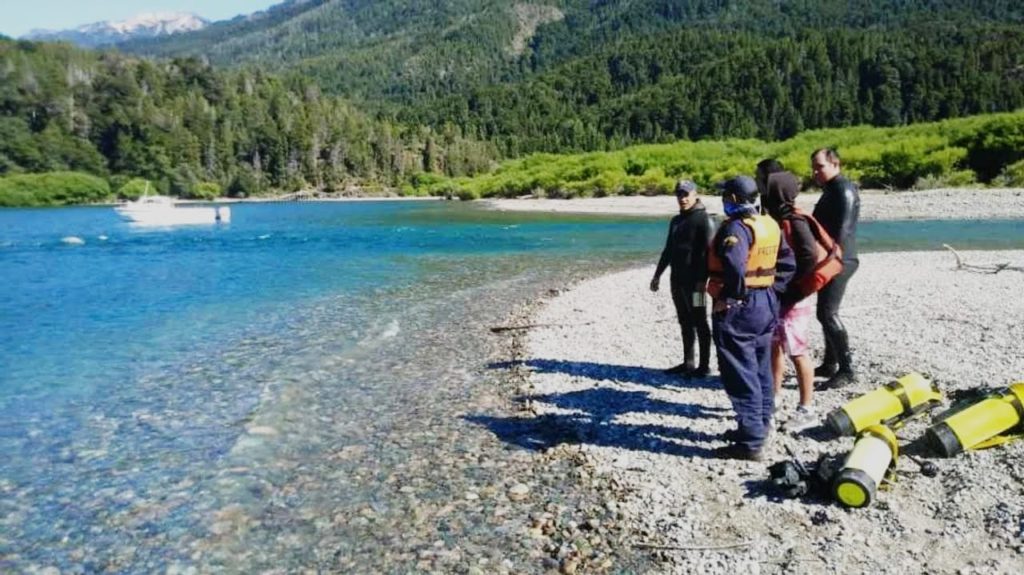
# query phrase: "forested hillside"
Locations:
[[697, 84], [583, 74], [180, 123], [332, 94]]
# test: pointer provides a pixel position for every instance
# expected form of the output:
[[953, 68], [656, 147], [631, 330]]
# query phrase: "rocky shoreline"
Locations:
[[591, 390]]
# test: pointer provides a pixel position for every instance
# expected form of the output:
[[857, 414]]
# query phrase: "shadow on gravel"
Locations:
[[596, 423], [818, 433], [547, 431], [621, 373], [604, 404]]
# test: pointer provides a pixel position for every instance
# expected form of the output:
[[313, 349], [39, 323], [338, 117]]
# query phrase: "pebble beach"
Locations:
[[940, 204], [590, 389]]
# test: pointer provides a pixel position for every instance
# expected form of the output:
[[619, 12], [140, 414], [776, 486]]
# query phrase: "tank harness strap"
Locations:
[[1017, 405], [761, 272], [1015, 432], [897, 389]]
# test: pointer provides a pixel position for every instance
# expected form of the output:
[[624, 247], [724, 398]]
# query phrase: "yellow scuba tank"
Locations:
[[867, 464], [982, 424], [892, 404]]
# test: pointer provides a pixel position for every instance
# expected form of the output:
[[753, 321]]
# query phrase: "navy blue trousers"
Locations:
[[743, 338]]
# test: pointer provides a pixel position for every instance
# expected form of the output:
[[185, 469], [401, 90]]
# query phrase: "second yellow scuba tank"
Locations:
[[981, 424], [868, 463], [892, 403]]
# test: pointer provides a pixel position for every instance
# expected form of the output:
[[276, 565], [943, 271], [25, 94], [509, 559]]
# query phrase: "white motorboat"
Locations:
[[165, 211]]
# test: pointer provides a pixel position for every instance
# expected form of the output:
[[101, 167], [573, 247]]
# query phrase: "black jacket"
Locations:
[[686, 247], [780, 202], [837, 211]]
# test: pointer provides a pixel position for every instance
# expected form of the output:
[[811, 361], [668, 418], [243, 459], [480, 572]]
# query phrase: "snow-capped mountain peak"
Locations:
[[111, 32]]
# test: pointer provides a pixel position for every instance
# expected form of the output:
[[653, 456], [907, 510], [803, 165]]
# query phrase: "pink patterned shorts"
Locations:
[[793, 326]]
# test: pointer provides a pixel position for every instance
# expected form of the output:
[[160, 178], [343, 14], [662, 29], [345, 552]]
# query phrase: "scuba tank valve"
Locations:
[[927, 468]]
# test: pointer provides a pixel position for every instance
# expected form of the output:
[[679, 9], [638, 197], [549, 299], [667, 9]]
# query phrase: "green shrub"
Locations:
[[953, 152], [954, 179], [634, 166], [135, 188], [467, 194], [446, 189], [52, 189], [655, 183], [994, 145], [205, 191], [1012, 176], [117, 181]]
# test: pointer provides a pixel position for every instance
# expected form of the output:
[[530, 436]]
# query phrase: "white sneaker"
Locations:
[[803, 418]]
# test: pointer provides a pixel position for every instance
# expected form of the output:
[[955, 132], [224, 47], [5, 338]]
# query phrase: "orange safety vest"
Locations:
[[828, 256], [764, 251]]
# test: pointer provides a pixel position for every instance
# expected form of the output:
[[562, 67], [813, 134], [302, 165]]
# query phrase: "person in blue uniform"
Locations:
[[686, 252], [749, 265]]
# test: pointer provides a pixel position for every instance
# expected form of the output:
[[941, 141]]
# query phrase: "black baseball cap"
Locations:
[[685, 188]]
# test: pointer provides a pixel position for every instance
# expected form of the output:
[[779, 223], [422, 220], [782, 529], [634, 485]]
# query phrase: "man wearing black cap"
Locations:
[[837, 210], [686, 251], [749, 264]]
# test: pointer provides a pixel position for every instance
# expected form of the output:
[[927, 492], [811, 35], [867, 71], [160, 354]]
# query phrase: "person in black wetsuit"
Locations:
[[686, 248], [837, 210]]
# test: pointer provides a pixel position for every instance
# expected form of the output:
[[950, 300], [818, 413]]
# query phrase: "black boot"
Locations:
[[701, 371], [704, 344], [843, 376], [826, 370], [684, 368], [828, 365]]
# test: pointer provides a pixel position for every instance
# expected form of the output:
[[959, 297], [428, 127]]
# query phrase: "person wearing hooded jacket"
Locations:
[[837, 210], [749, 264], [686, 248], [796, 308]]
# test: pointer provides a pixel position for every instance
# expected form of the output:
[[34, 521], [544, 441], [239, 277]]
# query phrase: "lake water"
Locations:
[[290, 389]]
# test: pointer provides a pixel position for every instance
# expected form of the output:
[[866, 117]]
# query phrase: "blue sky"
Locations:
[[20, 16]]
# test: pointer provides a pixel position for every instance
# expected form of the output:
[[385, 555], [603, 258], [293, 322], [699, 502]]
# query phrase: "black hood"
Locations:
[[780, 199]]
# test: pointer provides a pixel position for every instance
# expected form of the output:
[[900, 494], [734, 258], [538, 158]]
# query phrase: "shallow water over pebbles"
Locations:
[[303, 410]]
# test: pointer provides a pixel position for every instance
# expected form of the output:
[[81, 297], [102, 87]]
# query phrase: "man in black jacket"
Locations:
[[686, 249], [837, 210]]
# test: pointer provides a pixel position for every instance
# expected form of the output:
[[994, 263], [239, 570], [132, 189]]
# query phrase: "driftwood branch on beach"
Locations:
[[723, 547], [986, 269], [504, 328]]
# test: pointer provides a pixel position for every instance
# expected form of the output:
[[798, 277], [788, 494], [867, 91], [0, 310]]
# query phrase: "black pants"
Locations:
[[837, 343], [693, 321]]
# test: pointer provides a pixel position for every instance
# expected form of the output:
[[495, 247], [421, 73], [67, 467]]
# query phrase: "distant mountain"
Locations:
[[151, 25]]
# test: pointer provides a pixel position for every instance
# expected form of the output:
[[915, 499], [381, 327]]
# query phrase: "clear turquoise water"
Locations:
[[130, 365]]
